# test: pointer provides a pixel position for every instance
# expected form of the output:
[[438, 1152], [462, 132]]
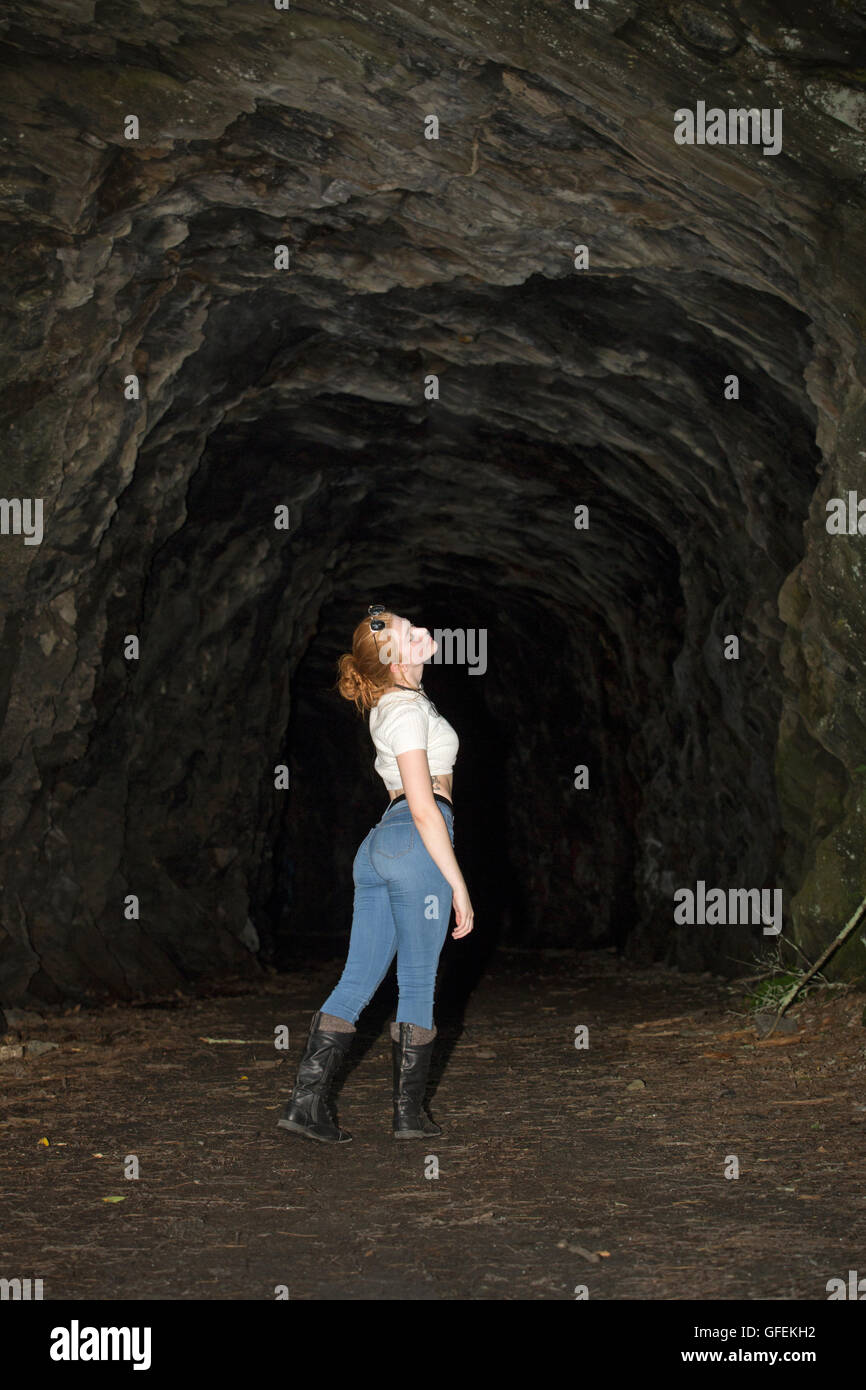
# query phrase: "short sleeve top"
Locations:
[[402, 720]]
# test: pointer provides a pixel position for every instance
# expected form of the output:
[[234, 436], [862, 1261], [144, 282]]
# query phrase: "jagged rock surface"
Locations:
[[306, 387]]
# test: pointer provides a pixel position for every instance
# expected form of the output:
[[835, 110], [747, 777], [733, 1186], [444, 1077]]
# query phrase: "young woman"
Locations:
[[405, 876]]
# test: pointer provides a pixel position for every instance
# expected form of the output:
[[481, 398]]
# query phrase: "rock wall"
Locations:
[[154, 258]]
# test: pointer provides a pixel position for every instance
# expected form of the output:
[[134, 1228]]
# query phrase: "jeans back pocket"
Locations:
[[394, 840]]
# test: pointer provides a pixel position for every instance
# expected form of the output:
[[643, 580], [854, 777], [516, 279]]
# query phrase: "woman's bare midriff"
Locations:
[[440, 784]]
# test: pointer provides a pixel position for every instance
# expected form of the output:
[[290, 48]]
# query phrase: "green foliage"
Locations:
[[768, 995]]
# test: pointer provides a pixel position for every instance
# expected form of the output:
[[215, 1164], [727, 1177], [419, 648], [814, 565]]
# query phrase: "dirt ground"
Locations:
[[558, 1166]]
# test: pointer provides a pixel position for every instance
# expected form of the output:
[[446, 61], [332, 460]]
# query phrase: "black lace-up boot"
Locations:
[[411, 1051], [310, 1111]]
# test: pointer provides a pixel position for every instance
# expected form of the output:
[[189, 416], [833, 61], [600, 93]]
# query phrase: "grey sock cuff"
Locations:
[[332, 1024], [417, 1036]]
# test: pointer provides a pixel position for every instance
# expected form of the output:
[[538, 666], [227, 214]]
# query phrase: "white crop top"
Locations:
[[402, 720]]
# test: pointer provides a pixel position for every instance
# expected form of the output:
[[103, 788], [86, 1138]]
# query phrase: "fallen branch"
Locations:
[[246, 1042], [834, 945]]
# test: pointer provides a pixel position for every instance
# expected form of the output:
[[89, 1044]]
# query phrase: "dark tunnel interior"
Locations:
[[542, 326], [607, 472]]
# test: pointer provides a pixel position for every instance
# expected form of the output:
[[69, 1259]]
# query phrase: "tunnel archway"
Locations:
[[167, 387]]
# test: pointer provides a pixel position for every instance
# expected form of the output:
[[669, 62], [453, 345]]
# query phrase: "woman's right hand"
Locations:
[[463, 913]]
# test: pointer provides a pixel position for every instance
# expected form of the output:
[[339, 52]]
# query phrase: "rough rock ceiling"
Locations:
[[306, 386]]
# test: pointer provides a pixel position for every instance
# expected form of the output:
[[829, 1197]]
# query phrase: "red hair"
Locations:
[[363, 675]]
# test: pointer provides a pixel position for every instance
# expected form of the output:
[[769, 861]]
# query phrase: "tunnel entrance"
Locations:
[[453, 309], [434, 358]]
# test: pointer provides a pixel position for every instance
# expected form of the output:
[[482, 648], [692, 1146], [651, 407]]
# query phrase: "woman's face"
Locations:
[[417, 644]]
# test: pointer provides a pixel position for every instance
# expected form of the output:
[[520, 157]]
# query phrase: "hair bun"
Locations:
[[362, 676]]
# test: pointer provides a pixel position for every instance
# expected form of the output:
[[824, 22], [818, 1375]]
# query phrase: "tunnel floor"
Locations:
[[556, 1169]]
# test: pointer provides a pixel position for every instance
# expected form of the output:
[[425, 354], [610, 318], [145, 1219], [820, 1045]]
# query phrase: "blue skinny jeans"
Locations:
[[402, 904]]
